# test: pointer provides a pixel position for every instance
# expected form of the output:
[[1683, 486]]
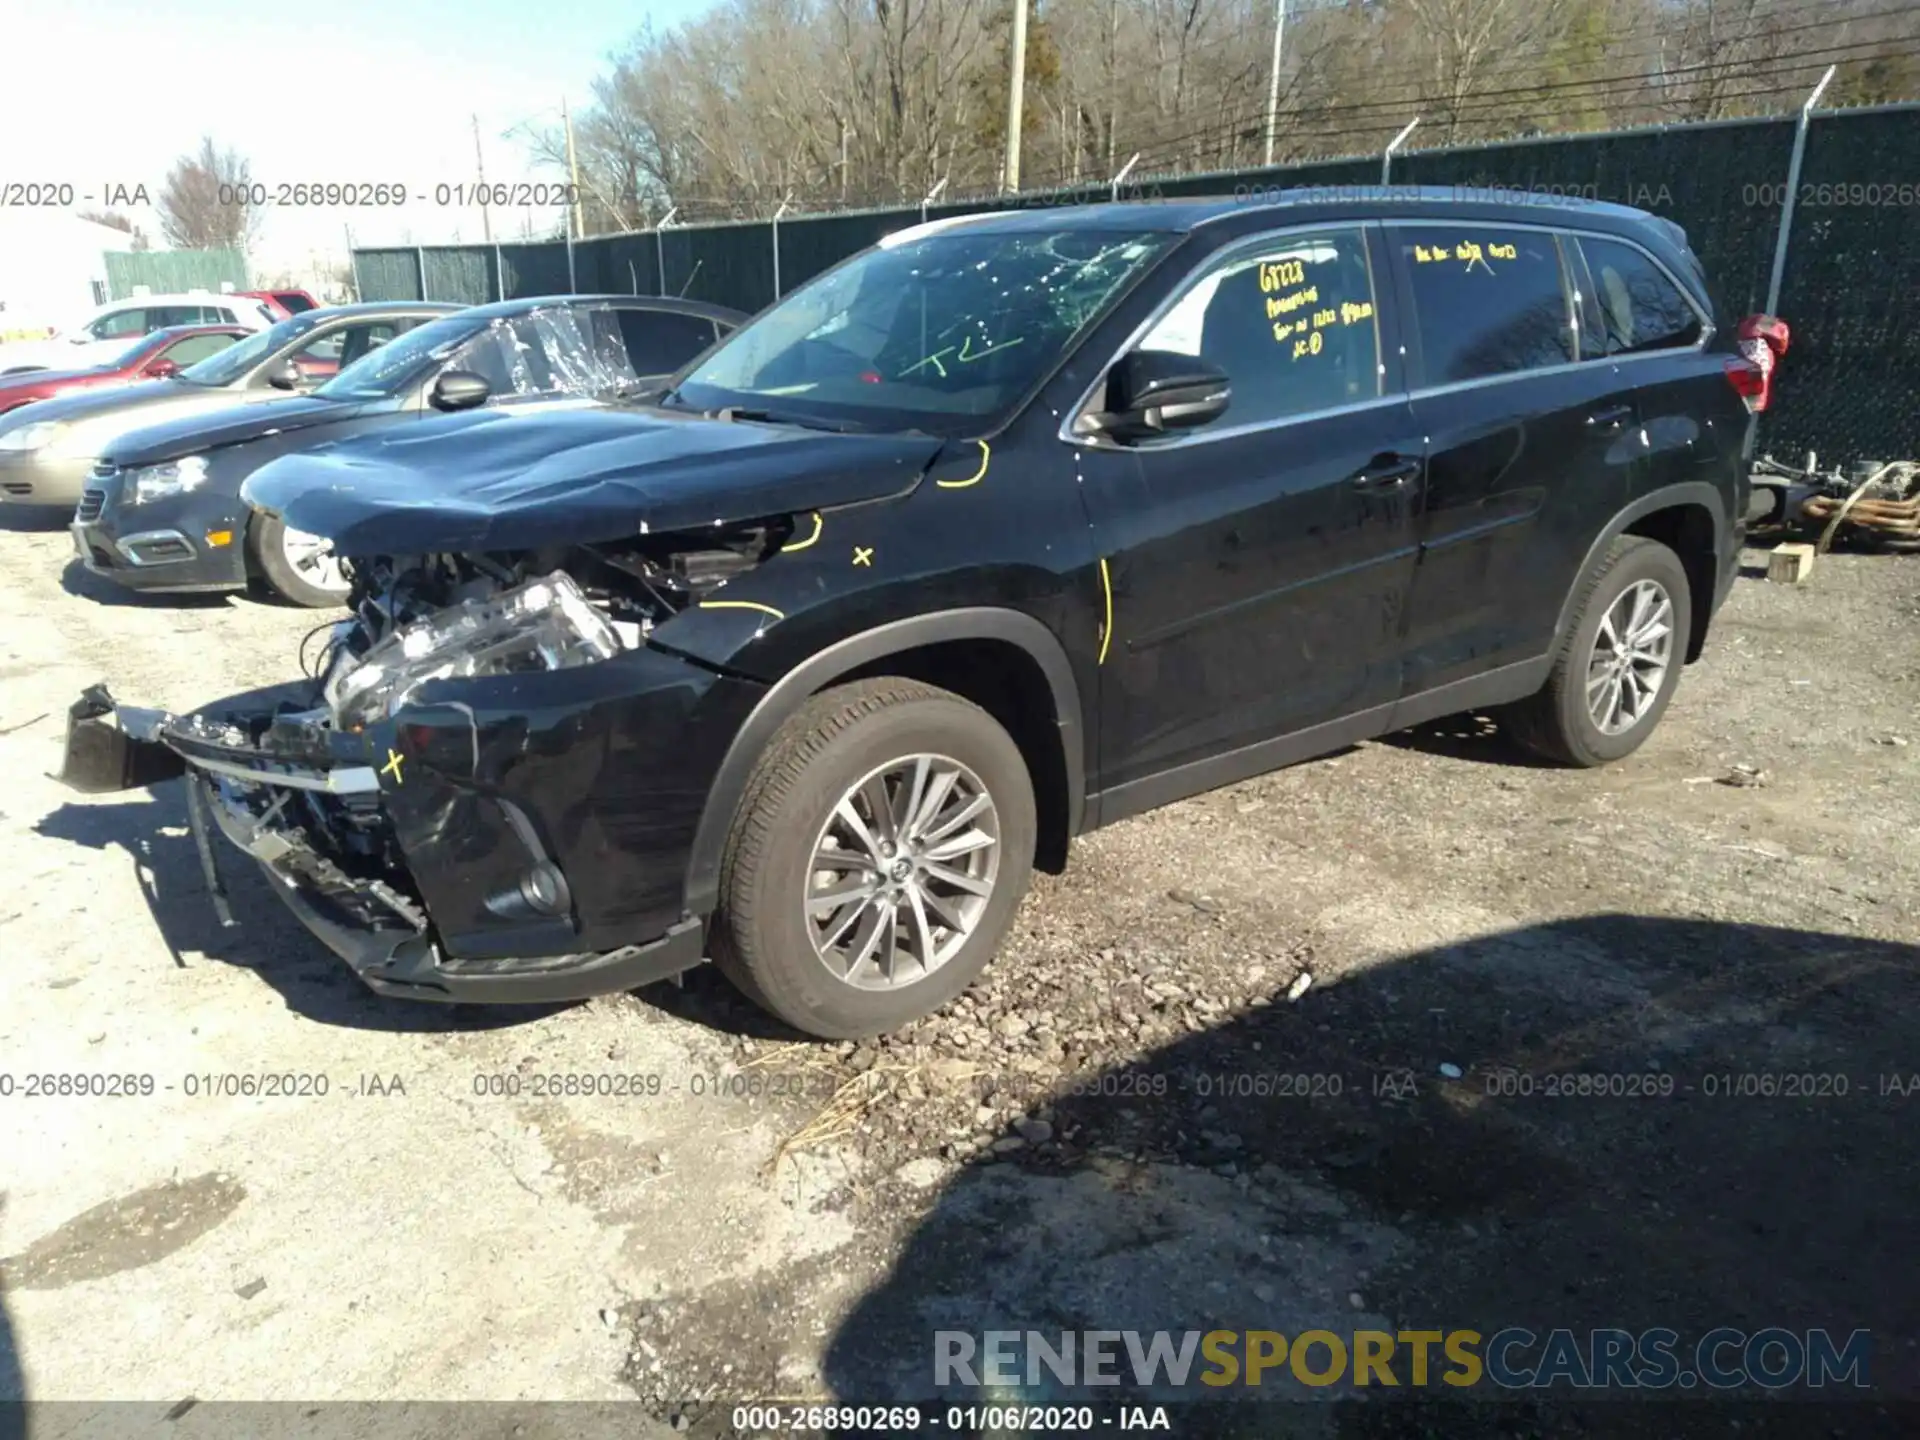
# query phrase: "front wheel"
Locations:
[[1621, 660], [882, 845], [295, 565]]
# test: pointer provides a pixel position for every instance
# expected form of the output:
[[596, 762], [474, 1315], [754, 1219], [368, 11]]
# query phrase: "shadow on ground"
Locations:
[[150, 827], [76, 579], [1673, 1192]]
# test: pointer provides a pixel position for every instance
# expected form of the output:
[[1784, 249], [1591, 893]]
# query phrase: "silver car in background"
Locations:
[[48, 448]]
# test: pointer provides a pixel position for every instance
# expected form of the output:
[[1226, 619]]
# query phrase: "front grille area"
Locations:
[[92, 502]]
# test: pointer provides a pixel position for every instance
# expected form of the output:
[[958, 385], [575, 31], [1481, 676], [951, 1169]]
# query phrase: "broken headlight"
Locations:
[[542, 625]]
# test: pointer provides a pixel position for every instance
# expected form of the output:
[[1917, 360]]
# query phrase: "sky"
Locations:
[[106, 93]]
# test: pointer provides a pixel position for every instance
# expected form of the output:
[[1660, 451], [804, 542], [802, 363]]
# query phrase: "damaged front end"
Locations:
[[487, 787]]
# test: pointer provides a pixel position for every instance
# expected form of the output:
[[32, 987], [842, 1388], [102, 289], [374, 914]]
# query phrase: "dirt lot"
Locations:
[[771, 1218]]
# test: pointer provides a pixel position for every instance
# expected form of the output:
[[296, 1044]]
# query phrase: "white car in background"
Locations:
[[99, 337]]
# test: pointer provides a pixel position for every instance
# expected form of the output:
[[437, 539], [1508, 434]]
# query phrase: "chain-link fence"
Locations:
[[1851, 383]]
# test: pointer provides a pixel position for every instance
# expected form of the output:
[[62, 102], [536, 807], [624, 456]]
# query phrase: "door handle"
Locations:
[[1605, 422], [1389, 474]]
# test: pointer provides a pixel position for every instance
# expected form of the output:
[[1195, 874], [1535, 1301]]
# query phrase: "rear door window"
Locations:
[[1640, 307], [196, 348], [659, 342], [1486, 301]]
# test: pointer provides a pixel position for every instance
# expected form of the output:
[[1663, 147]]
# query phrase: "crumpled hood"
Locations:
[[233, 424], [519, 476]]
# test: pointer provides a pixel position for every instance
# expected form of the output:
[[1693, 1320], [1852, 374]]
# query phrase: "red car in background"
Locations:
[[284, 303], [151, 357]]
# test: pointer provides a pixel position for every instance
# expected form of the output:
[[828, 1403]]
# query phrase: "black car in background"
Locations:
[[1003, 530], [163, 511]]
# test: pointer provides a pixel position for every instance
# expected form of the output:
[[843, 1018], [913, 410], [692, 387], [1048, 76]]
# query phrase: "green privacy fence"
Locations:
[[1851, 383], [170, 272]]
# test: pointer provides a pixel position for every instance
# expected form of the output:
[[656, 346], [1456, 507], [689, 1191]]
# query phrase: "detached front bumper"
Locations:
[[269, 794], [190, 542]]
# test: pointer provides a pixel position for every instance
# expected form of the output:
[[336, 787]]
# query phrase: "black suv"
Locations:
[[1004, 529]]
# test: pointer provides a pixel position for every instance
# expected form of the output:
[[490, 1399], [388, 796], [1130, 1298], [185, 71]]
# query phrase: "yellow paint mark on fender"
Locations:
[[1106, 630], [392, 767], [863, 555], [818, 526], [986, 456], [743, 605]]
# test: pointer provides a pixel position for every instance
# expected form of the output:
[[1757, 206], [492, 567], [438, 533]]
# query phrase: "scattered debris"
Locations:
[[1745, 777], [252, 1288], [9, 729], [1205, 904], [1302, 983], [1451, 1071], [610, 1318]]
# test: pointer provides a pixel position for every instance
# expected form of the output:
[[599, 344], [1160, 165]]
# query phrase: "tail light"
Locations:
[[1751, 383], [1762, 341]]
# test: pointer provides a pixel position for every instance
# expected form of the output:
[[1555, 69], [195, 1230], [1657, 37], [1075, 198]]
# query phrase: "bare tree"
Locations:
[[114, 220], [874, 101], [207, 202]]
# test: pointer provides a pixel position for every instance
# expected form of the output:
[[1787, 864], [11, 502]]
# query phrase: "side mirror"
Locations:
[[161, 368], [286, 376], [1155, 392], [459, 390]]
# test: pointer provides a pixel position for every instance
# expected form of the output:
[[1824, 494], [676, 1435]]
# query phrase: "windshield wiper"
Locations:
[[784, 417]]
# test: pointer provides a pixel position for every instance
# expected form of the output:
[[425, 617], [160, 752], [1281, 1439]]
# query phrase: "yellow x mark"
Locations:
[[392, 767], [863, 555]]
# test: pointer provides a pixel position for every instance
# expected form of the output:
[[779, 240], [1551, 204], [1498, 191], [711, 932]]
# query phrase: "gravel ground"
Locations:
[[1202, 1086]]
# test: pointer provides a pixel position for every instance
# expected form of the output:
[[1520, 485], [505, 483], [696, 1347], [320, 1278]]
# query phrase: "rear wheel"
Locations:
[[1619, 664], [295, 565], [883, 843]]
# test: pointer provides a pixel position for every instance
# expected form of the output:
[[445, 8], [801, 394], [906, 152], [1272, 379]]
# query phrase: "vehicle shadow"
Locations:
[[1677, 1185], [1470, 736], [79, 581], [34, 519], [152, 830], [13, 1383]]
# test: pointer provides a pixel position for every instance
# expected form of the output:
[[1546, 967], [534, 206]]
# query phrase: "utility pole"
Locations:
[[573, 176], [480, 164], [1016, 86], [1273, 78]]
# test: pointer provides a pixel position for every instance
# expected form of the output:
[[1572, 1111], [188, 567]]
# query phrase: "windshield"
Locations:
[[237, 359], [388, 370], [944, 333], [552, 350]]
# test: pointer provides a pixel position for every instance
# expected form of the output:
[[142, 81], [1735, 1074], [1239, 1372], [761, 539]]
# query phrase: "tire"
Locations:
[[1558, 723], [767, 937], [267, 548]]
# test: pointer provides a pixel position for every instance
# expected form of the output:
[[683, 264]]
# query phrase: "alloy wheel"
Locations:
[[1631, 655], [902, 871], [313, 560]]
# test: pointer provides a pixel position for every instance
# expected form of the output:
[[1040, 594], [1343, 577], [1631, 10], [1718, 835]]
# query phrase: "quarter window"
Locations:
[[1293, 326], [1487, 301], [1640, 308]]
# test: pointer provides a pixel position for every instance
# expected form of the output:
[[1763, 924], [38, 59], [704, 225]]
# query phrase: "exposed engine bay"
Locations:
[[293, 774], [431, 616]]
